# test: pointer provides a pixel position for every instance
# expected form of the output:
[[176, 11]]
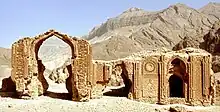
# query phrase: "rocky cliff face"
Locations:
[[135, 30], [212, 45], [212, 39]]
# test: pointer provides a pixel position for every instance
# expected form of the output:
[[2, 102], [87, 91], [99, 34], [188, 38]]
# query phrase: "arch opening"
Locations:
[[178, 78], [54, 56], [119, 84]]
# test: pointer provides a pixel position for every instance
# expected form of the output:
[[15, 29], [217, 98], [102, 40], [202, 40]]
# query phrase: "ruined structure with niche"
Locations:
[[162, 77]]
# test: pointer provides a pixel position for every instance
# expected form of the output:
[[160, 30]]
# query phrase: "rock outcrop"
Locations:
[[60, 74], [210, 43], [216, 63], [212, 39], [187, 42]]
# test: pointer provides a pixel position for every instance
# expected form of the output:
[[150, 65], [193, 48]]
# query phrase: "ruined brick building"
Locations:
[[158, 77]]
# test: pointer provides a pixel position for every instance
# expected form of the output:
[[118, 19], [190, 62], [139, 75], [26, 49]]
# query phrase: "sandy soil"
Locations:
[[105, 104]]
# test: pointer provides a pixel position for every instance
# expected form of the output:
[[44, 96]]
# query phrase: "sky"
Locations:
[[28, 18]]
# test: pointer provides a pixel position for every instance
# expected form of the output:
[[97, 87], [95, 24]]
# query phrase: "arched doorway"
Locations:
[[177, 79], [176, 86], [28, 69], [55, 55]]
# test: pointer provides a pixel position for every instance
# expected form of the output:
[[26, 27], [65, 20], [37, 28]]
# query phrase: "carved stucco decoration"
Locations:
[[150, 65]]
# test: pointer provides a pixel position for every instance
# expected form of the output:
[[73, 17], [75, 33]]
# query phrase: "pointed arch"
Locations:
[[177, 78], [41, 38]]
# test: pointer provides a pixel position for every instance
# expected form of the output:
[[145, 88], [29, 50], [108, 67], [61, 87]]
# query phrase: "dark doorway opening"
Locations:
[[176, 86]]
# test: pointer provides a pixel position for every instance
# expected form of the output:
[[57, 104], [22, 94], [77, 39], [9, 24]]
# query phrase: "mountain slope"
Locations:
[[211, 9], [211, 44], [5, 56], [142, 30], [5, 62]]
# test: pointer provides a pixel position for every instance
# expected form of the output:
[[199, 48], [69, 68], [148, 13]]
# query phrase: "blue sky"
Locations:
[[20, 18]]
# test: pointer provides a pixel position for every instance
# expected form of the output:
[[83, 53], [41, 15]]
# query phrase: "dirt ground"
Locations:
[[52, 103], [105, 104]]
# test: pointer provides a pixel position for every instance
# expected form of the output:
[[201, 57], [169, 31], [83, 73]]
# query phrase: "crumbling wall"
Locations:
[[101, 71], [82, 70], [21, 65], [145, 78], [27, 68], [116, 73], [200, 80]]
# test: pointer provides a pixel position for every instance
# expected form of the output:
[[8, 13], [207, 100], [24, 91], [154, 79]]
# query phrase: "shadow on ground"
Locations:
[[117, 92], [64, 96]]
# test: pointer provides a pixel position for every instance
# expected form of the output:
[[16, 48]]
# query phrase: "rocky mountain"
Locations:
[[135, 30], [211, 44], [211, 9]]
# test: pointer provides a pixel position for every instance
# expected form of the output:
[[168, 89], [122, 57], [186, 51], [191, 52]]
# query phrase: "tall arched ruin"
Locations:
[[27, 68], [149, 77]]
